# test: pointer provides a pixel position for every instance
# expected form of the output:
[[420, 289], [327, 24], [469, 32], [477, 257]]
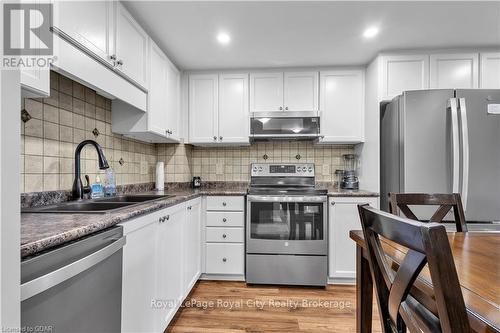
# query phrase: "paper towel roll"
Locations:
[[160, 176]]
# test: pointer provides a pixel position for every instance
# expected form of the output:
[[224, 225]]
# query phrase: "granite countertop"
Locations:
[[40, 232]]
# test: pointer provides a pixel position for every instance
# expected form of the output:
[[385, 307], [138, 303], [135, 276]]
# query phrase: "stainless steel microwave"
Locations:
[[284, 126]]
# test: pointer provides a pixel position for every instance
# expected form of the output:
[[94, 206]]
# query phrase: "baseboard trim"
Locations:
[[222, 277]]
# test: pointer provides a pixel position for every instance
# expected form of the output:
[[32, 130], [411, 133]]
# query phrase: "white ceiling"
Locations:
[[295, 34]]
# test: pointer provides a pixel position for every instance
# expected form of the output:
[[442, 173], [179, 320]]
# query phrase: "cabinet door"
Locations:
[[342, 106], [157, 94], [170, 250], [192, 245], [449, 71], [131, 44], [35, 82], [139, 280], [203, 108], [89, 23], [266, 92], [301, 91], [233, 108], [173, 101], [490, 70], [404, 72], [343, 218]]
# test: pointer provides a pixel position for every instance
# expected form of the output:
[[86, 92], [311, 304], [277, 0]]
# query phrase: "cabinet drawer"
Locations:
[[225, 219], [225, 258], [225, 203], [225, 235]]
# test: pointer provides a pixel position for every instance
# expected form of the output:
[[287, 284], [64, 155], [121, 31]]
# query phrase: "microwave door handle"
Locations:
[[455, 144], [465, 151]]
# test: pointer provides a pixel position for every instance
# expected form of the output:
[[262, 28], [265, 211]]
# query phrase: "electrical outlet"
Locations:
[[219, 169], [326, 170], [144, 167]]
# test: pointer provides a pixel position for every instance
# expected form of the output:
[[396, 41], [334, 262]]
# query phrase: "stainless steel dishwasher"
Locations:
[[75, 288]]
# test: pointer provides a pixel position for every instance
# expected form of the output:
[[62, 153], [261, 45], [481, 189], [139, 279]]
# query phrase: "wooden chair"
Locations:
[[446, 202], [427, 243]]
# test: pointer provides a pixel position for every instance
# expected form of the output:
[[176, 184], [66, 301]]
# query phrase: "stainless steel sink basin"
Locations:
[[97, 206]]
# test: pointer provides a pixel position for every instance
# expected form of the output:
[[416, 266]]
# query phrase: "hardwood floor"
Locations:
[[234, 307]]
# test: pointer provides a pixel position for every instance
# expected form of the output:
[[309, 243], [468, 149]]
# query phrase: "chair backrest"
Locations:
[[427, 243], [446, 202]]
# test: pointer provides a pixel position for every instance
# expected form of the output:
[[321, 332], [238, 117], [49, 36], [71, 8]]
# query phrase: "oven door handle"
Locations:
[[278, 198]]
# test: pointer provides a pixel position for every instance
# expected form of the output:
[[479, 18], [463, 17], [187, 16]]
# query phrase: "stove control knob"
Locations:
[[260, 169], [304, 169], [310, 169], [255, 169]]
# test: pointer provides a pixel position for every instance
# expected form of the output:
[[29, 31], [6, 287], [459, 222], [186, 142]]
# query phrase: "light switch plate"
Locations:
[[219, 169], [326, 170], [144, 167]]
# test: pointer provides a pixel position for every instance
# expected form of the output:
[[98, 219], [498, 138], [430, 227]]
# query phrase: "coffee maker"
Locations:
[[350, 179]]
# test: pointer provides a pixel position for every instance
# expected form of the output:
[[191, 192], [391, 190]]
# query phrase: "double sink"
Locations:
[[98, 206]]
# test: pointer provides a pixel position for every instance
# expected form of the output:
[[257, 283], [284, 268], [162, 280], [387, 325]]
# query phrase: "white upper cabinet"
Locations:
[[131, 45], [342, 106], [35, 82], [404, 72], [173, 102], [89, 23], [266, 92], [203, 108], [301, 91], [281, 92], [157, 108], [454, 70], [490, 70], [233, 108]]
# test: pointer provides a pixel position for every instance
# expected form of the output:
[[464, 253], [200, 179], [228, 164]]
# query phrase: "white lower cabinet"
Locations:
[[170, 264], [161, 263], [192, 244], [225, 258], [224, 238], [344, 217], [139, 275]]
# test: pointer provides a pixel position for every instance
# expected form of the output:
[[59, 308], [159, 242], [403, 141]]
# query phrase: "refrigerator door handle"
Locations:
[[455, 142], [465, 151]]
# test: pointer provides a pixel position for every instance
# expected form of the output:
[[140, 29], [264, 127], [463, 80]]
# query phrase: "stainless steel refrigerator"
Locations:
[[444, 141]]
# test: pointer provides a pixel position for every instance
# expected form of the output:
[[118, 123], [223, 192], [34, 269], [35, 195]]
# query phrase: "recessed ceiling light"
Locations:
[[370, 32], [223, 38]]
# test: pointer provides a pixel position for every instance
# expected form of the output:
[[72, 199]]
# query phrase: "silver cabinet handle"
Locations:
[[224, 259], [161, 219], [224, 220], [167, 217], [44, 282], [224, 204], [112, 57], [220, 138], [190, 207], [281, 108], [215, 138], [224, 236], [119, 62], [286, 108], [333, 203]]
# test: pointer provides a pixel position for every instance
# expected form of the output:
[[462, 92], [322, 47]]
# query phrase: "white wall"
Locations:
[[369, 151], [10, 104]]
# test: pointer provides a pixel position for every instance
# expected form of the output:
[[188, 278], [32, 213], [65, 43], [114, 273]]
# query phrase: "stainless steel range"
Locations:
[[286, 234]]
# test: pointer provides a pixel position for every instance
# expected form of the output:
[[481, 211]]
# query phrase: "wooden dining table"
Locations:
[[477, 260]]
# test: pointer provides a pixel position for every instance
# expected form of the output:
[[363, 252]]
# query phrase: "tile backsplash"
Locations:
[[68, 116], [233, 164], [73, 112]]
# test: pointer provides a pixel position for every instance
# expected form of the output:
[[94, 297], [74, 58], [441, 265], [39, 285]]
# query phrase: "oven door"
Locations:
[[287, 225]]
